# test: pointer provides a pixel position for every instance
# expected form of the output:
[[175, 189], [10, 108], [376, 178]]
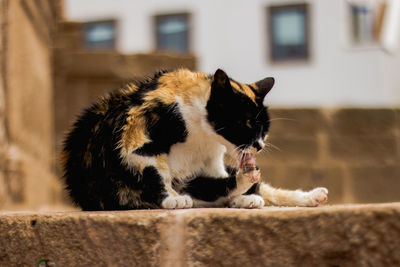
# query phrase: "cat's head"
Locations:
[[236, 110]]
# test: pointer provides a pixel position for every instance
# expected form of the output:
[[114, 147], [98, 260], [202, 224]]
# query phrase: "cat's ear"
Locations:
[[221, 79], [264, 86]]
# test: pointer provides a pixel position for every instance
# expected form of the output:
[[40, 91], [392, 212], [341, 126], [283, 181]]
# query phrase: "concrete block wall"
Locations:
[[354, 152]]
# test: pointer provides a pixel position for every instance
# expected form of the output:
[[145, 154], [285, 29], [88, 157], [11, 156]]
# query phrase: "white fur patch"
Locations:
[[201, 152], [247, 201], [177, 202]]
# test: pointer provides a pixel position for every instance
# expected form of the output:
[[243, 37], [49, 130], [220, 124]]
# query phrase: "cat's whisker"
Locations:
[[220, 129], [273, 146], [258, 114], [283, 119], [238, 154]]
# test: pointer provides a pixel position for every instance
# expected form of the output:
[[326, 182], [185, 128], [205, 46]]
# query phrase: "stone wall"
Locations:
[[355, 153], [348, 235], [26, 93]]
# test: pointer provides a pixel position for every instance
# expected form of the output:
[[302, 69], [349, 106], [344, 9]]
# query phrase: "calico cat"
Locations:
[[165, 143]]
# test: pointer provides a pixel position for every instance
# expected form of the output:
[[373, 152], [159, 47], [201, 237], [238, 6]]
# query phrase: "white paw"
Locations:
[[248, 202], [317, 196], [177, 202]]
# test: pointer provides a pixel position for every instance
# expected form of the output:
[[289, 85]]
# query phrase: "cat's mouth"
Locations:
[[246, 157]]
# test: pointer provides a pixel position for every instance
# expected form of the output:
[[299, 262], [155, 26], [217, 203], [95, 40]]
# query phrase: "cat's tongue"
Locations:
[[246, 157]]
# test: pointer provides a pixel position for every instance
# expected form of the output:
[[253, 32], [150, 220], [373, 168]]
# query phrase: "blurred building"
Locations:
[[322, 52]]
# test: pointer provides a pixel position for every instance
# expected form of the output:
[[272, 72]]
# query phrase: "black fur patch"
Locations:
[[210, 189], [234, 116], [165, 127], [145, 86], [152, 187], [253, 189], [93, 170]]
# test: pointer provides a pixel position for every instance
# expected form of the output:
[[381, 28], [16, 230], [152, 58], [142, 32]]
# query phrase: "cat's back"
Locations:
[[120, 118]]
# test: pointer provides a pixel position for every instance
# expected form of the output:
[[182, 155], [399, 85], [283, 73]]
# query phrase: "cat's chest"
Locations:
[[197, 155]]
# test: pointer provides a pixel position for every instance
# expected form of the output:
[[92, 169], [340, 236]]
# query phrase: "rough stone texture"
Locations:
[[331, 236], [82, 239], [353, 235]]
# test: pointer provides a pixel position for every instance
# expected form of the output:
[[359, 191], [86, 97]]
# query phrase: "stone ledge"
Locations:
[[343, 235]]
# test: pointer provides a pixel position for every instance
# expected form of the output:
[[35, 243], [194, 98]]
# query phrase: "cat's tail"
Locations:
[[292, 198]]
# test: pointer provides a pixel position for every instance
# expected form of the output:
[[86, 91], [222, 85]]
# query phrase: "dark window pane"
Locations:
[[288, 32], [362, 19], [99, 35], [172, 33]]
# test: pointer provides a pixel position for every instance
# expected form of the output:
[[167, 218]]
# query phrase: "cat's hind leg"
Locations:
[[156, 182], [292, 198], [157, 188]]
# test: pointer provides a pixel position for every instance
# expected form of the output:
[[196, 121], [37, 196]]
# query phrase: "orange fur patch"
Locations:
[[184, 84], [131, 87], [162, 163], [244, 89], [134, 132]]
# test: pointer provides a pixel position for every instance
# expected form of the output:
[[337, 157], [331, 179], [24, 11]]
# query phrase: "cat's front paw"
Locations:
[[177, 202], [317, 196], [250, 169], [253, 176], [247, 201]]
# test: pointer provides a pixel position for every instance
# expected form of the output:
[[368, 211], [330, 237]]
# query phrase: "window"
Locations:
[[288, 32], [367, 19], [172, 33], [99, 35]]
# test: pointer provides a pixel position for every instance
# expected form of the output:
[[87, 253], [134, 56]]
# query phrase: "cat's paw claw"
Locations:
[[177, 202], [318, 196], [248, 202]]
